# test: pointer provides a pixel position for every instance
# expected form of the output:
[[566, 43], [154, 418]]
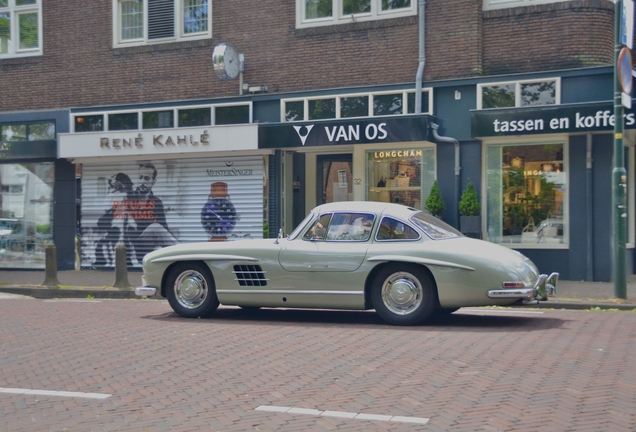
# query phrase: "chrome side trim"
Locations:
[[287, 292], [425, 261], [203, 257], [145, 291]]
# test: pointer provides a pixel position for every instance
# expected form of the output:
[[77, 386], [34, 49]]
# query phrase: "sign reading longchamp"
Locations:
[[547, 120]]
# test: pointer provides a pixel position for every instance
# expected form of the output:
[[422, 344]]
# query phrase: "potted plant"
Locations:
[[434, 202], [470, 210]]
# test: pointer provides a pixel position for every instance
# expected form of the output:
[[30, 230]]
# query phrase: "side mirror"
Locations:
[[280, 235]]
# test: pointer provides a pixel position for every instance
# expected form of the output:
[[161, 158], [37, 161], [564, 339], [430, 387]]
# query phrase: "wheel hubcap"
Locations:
[[191, 289], [402, 293]]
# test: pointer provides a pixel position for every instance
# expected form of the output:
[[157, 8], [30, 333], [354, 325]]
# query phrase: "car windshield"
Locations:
[[301, 225], [434, 227]]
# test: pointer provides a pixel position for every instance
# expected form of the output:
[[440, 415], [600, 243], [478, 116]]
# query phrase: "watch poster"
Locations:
[[150, 204]]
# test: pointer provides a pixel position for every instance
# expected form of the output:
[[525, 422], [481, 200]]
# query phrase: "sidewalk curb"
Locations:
[[42, 292]]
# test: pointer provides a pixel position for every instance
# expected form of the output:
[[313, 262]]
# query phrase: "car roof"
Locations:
[[390, 209]]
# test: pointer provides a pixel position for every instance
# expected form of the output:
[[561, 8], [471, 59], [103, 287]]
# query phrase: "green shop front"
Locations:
[[546, 185]]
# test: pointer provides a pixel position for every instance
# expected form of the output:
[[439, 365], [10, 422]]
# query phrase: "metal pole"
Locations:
[[619, 174]]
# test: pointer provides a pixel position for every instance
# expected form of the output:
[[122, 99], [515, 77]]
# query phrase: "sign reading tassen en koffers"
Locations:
[[547, 120]]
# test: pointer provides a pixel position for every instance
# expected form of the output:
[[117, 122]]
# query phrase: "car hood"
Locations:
[[239, 247]]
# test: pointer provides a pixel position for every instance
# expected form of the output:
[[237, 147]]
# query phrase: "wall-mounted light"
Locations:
[[255, 89]]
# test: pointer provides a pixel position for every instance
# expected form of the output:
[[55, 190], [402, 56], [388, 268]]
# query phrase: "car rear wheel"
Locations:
[[190, 290], [403, 294]]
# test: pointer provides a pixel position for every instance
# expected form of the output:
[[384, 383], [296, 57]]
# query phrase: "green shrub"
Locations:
[[434, 202], [469, 202]]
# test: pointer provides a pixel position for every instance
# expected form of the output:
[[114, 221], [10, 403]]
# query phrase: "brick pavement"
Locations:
[[478, 370]]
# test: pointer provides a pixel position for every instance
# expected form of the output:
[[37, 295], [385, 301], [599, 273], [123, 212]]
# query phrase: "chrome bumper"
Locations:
[[145, 291], [544, 286]]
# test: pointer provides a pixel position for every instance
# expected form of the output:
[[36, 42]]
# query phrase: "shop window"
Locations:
[[526, 194], [357, 105], [158, 119], [503, 4], [312, 13], [400, 176], [26, 214], [20, 28], [123, 121], [231, 114], [194, 117], [88, 123], [139, 22], [518, 94]]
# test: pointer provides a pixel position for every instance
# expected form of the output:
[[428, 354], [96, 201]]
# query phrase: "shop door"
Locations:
[[334, 178]]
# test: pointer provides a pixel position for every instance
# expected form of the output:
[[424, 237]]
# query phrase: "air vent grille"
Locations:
[[250, 275]]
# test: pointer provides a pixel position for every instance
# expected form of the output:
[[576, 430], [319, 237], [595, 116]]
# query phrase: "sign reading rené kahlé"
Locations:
[[159, 141]]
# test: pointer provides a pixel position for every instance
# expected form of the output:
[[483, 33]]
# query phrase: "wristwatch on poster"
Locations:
[[218, 215]]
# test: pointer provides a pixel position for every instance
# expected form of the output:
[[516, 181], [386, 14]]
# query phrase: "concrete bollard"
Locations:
[[121, 267], [50, 266]]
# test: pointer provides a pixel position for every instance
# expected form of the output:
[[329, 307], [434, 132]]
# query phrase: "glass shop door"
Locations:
[[334, 181]]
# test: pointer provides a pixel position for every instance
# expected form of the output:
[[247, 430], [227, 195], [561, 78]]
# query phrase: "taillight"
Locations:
[[515, 284]]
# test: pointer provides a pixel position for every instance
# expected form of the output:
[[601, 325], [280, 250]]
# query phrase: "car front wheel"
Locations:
[[403, 294], [190, 290]]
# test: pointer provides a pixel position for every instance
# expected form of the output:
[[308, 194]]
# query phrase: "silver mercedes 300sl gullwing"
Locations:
[[400, 261]]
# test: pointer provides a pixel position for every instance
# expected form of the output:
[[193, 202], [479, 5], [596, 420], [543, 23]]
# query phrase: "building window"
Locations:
[[164, 118], [503, 4], [402, 176], [20, 28], [140, 22], [526, 194], [519, 94], [313, 13], [354, 105], [123, 121], [44, 131], [232, 114]]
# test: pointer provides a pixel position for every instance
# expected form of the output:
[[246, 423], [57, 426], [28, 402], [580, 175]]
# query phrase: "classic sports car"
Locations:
[[400, 261]]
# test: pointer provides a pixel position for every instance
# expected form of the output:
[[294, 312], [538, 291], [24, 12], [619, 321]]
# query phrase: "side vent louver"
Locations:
[[250, 275]]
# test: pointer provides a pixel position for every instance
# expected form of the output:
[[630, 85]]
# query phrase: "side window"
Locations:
[[350, 227], [318, 229], [392, 229]]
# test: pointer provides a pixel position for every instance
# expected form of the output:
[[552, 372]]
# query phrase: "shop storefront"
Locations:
[[386, 159], [546, 185], [28, 149], [150, 189]]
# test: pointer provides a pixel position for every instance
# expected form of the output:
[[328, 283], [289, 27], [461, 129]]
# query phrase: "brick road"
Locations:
[[481, 369]]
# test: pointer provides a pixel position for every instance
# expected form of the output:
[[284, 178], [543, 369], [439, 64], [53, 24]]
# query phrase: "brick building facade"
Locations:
[[472, 48]]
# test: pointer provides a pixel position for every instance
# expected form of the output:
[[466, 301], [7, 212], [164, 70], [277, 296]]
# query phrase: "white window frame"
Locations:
[[338, 18], [179, 30], [140, 112], [505, 4], [518, 84], [14, 13], [538, 141], [405, 94]]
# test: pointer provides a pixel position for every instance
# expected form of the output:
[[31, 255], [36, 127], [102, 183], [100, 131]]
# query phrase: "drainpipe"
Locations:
[[457, 165], [422, 61], [589, 210]]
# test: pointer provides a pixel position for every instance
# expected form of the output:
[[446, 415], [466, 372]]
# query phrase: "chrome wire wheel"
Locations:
[[190, 289], [402, 293]]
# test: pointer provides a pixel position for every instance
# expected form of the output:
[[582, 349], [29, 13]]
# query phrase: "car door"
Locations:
[[336, 242]]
